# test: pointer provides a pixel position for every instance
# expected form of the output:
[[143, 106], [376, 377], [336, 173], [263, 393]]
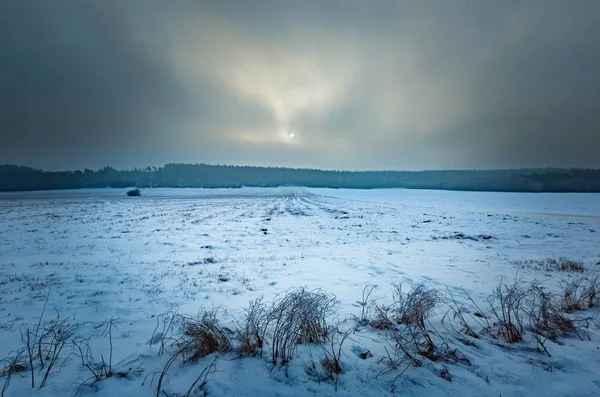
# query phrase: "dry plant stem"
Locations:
[[458, 314], [163, 373], [61, 333], [366, 303], [333, 350], [6, 384], [203, 376], [253, 330], [168, 320], [31, 343], [510, 299]]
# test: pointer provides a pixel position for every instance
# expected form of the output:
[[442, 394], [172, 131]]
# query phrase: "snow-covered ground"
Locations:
[[98, 255]]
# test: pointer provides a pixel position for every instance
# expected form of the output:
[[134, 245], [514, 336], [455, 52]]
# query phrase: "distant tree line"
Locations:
[[19, 178]]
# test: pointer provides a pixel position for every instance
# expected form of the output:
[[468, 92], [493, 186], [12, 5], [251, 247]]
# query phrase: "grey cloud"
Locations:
[[386, 84], [72, 81]]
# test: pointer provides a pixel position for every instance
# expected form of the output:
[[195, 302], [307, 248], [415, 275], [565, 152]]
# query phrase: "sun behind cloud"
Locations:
[[290, 82]]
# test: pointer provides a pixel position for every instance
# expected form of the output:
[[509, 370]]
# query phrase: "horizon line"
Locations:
[[292, 168]]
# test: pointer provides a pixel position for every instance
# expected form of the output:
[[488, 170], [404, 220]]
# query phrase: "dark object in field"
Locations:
[[134, 192], [462, 236]]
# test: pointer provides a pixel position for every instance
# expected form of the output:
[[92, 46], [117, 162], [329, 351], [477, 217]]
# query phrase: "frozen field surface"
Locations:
[[90, 256]]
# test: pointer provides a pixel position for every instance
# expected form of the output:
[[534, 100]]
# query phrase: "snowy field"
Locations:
[[92, 256]]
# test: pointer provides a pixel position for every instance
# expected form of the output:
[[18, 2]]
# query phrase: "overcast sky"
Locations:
[[360, 84]]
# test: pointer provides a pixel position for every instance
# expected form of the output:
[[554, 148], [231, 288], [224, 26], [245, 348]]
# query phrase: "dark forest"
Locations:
[[19, 178]]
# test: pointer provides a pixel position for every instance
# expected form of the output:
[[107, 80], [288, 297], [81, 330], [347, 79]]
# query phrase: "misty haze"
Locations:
[[299, 198]]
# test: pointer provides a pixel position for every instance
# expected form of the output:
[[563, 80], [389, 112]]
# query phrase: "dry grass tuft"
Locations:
[[298, 316], [253, 330], [552, 265], [506, 304], [204, 336], [567, 265], [412, 309], [580, 293], [13, 367], [415, 306], [545, 316], [382, 323], [414, 338], [331, 366]]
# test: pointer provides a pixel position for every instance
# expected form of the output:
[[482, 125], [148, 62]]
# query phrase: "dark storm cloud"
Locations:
[[77, 89], [386, 84], [74, 84]]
